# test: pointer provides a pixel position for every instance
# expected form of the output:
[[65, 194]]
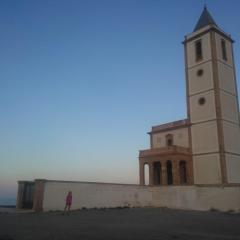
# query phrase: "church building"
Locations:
[[193, 163], [204, 148]]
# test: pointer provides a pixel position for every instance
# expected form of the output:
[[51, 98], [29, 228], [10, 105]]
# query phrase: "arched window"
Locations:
[[169, 140], [169, 173], [183, 172], [157, 171], [146, 174]]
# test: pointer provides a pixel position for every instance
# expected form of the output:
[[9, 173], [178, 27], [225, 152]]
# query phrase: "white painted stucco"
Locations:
[[231, 134], [226, 78], [200, 83], [233, 168], [180, 138], [197, 198], [204, 137], [206, 169], [229, 107], [90, 195], [98, 195], [205, 112]]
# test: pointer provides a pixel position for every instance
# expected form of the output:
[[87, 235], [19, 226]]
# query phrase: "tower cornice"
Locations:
[[197, 34]]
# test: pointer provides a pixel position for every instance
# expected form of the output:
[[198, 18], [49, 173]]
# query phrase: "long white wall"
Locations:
[[100, 195], [198, 198], [91, 195]]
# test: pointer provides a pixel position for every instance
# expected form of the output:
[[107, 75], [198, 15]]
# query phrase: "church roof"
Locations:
[[205, 20]]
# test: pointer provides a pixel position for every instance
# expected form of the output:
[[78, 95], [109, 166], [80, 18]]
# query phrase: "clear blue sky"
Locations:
[[82, 82]]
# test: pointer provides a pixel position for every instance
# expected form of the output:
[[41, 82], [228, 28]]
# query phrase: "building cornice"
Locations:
[[210, 28], [170, 126], [171, 150]]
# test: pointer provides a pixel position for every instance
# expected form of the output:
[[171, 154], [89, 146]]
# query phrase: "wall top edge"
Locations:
[[25, 181], [84, 182]]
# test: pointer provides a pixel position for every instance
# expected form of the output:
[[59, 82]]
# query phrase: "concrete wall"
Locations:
[[90, 195], [197, 198], [231, 137], [99, 195], [233, 168], [205, 138], [200, 83], [209, 164], [229, 107], [226, 78], [180, 138], [205, 112]]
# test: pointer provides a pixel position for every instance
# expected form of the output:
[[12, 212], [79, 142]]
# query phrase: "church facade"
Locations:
[[203, 149]]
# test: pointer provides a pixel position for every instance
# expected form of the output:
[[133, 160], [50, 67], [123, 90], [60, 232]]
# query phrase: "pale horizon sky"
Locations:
[[82, 82]]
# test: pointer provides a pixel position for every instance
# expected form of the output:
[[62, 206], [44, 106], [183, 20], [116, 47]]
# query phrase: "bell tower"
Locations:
[[212, 104]]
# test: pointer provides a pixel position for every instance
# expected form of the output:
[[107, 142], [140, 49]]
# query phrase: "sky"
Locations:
[[83, 81]]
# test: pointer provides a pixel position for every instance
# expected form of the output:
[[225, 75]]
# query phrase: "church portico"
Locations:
[[167, 166]]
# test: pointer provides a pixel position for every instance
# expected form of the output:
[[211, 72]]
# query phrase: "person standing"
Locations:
[[68, 202]]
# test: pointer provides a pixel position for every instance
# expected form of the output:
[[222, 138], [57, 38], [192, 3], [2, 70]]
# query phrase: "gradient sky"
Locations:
[[82, 82]]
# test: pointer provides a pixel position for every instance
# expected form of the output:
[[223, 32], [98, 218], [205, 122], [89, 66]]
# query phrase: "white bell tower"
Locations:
[[212, 103]]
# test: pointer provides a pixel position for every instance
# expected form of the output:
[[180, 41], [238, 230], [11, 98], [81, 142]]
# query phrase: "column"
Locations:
[[164, 173], [151, 174], [175, 171], [141, 172], [189, 170]]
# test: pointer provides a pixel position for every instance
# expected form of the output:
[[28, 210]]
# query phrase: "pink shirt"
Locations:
[[69, 199]]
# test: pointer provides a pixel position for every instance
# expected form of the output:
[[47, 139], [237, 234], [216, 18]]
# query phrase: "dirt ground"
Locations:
[[144, 223]]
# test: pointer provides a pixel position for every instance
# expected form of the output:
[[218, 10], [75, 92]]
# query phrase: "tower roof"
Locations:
[[205, 20]]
